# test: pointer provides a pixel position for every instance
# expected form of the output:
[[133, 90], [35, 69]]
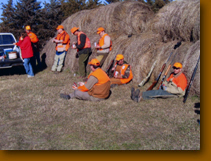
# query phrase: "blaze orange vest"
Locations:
[[66, 42], [101, 42], [180, 80], [100, 75], [87, 43], [33, 37], [102, 88], [121, 70]]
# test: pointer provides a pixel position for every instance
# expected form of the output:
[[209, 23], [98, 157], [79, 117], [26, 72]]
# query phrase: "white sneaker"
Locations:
[[29, 76]]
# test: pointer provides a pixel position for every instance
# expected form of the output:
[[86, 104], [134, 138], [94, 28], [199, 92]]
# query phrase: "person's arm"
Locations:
[[89, 84], [83, 40]]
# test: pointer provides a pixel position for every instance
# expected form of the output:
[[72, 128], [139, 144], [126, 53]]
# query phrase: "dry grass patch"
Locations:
[[32, 116]]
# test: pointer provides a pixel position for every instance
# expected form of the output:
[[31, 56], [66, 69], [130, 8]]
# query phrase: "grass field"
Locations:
[[34, 117]]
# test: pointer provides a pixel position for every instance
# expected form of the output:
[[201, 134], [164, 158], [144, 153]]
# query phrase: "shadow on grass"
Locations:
[[197, 105], [13, 71]]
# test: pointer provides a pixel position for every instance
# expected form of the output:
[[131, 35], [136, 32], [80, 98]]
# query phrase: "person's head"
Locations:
[[120, 59], [75, 30], [94, 64], [27, 29], [101, 31], [177, 67], [23, 34], [60, 29]]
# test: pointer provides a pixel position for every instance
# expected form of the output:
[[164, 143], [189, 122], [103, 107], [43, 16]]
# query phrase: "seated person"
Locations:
[[96, 88], [174, 86], [122, 72]]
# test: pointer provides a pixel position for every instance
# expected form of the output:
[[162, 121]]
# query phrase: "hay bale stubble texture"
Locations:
[[152, 36]]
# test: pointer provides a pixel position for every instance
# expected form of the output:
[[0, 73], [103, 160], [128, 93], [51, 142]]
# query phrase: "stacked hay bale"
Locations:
[[152, 36]]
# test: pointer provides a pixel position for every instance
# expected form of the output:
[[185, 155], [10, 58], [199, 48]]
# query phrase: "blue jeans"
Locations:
[[28, 67], [156, 94]]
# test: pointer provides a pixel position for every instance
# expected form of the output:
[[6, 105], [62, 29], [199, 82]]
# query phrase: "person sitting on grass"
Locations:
[[122, 72], [174, 86], [96, 88]]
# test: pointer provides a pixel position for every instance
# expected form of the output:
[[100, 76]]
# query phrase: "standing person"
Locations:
[[83, 47], [62, 45], [27, 53], [104, 45], [35, 47], [96, 88], [174, 86], [122, 72]]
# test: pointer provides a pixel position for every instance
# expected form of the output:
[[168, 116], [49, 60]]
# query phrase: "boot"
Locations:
[[132, 96], [65, 96], [137, 94]]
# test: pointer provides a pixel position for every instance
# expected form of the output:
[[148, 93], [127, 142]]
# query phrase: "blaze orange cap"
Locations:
[[100, 29], [119, 57], [94, 62], [177, 65], [74, 29], [60, 27], [28, 27]]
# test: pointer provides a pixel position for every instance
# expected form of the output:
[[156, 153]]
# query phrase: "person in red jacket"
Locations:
[[27, 53], [35, 48]]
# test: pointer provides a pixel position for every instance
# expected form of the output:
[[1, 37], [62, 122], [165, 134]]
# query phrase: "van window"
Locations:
[[6, 39]]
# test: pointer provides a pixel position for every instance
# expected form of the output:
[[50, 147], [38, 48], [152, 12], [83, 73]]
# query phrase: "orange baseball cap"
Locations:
[[28, 27], [119, 57], [177, 65], [100, 29], [60, 27], [74, 29], [94, 62]]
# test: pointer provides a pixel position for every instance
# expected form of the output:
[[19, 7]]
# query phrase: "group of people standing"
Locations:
[[29, 44]]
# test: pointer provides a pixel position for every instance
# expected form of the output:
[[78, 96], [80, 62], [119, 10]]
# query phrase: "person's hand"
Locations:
[[80, 83], [112, 69], [74, 87], [97, 47]]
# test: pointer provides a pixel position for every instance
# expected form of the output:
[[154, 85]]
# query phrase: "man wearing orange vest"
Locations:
[[62, 45], [83, 47], [104, 45], [174, 86], [122, 72], [35, 47], [96, 88]]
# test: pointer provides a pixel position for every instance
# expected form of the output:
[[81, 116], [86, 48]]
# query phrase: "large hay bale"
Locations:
[[144, 45], [178, 20]]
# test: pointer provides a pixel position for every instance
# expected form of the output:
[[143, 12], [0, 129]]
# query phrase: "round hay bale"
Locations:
[[178, 20], [147, 34]]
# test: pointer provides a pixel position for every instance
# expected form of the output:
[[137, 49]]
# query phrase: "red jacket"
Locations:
[[26, 47]]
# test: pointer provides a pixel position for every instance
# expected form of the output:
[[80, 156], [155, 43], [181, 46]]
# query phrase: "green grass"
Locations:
[[34, 117]]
